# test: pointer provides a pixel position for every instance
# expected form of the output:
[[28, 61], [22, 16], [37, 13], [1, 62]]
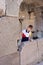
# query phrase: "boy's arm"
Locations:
[[30, 35]]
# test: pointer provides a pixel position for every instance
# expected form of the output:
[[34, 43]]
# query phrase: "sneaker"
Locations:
[[17, 49]]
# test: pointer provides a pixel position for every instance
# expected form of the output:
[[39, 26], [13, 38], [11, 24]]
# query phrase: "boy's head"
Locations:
[[29, 28]]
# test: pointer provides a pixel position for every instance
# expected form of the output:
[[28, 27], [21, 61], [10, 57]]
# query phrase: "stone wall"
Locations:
[[9, 26], [9, 33], [32, 52], [12, 7]]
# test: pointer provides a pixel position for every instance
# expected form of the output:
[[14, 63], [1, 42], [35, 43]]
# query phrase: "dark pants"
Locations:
[[24, 39]]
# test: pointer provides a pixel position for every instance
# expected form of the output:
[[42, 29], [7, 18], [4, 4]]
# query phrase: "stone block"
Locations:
[[12, 8], [9, 31], [40, 45], [29, 53]]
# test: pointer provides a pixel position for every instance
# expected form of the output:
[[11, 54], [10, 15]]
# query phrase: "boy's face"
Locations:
[[29, 29]]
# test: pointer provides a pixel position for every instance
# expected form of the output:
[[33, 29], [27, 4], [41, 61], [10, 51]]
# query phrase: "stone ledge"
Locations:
[[11, 59]]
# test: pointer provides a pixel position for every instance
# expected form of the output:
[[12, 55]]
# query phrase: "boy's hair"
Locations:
[[30, 26]]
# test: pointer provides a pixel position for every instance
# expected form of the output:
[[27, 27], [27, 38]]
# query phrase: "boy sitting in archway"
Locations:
[[26, 36]]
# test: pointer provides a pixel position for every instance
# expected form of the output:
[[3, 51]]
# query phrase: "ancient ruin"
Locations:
[[16, 15]]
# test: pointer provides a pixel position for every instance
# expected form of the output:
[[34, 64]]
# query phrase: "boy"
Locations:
[[26, 35]]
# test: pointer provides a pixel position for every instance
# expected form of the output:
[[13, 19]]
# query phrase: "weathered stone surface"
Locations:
[[9, 33], [12, 59], [2, 7], [41, 63], [12, 8], [29, 53], [40, 47]]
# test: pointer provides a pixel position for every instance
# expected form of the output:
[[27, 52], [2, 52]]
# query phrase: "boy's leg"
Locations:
[[20, 45]]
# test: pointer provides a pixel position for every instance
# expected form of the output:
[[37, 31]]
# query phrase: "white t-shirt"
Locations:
[[26, 33]]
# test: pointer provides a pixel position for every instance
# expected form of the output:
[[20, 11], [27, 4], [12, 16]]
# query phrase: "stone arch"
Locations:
[[24, 13]]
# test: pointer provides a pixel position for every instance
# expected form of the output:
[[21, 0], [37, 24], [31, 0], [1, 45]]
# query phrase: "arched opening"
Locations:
[[26, 14], [31, 13]]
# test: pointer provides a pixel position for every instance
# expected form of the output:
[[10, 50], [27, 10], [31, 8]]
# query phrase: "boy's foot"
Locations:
[[17, 49]]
